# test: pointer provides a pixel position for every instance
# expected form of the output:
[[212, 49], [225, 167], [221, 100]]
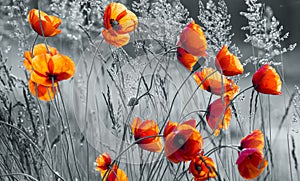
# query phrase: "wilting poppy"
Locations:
[[49, 23], [187, 59], [254, 140], [144, 129], [118, 21], [202, 168], [266, 80], [37, 50], [193, 40], [227, 63], [251, 163], [183, 143], [45, 93], [103, 161], [215, 83], [48, 70], [217, 118]]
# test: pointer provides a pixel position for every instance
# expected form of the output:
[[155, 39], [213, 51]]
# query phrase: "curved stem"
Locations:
[[32, 142], [211, 151]]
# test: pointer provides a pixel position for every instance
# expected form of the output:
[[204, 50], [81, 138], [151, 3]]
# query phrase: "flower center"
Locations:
[[179, 141], [115, 24]]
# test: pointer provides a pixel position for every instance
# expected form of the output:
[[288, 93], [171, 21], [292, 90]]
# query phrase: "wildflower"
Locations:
[[118, 21], [266, 80], [144, 129], [173, 125], [253, 140], [187, 59], [227, 63], [183, 142], [202, 168], [215, 83], [217, 117], [103, 161], [48, 69], [193, 40], [49, 23], [251, 163]]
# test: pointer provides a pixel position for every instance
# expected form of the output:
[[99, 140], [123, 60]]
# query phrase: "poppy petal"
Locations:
[[43, 92], [254, 140], [63, 67], [117, 40]]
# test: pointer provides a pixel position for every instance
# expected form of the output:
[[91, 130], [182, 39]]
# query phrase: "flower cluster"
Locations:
[[45, 64], [182, 141]]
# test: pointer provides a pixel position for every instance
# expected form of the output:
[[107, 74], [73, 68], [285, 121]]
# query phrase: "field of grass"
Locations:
[[93, 110]]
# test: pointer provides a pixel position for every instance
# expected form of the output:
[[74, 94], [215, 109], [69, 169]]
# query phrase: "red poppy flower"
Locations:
[[49, 69], [171, 126], [37, 50], [227, 63], [215, 83], [266, 80], [144, 129], [254, 140], [103, 161], [182, 143], [193, 40], [251, 163], [44, 93], [187, 59], [202, 168], [49, 23], [217, 118], [118, 21]]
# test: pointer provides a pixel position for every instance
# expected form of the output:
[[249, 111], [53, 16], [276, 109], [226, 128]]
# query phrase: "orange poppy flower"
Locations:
[[115, 174], [227, 63], [118, 21], [49, 23], [202, 168], [193, 40], [37, 50], [144, 129], [183, 143], [267, 81], [187, 59], [103, 161], [216, 117], [119, 18], [215, 82], [173, 125], [253, 140], [251, 163], [49, 68], [45, 93]]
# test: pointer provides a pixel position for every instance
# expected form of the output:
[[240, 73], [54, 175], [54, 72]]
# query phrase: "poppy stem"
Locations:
[[33, 44], [173, 101], [211, 151], [37, 147], [127, 148], [196, 91]]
